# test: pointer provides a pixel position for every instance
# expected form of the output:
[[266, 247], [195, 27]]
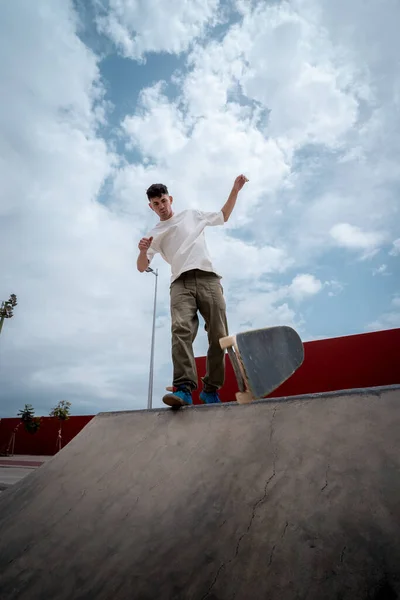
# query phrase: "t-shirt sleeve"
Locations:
[[211, 218], [151, 252]]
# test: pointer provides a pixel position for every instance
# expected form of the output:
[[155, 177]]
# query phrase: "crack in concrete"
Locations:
[[214, 582], [253, 514], [271, 555], [284, 531], [261, 500], [326, 479], [27, 547], [342, 554], [271, 431], [222, 524], [240, 540]]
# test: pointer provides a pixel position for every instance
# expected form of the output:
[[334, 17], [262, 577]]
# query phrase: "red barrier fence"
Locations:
[[45, 440], [355, 361]]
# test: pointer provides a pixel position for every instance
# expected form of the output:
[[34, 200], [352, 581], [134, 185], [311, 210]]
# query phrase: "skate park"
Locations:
[[175, 174], [292, 496]]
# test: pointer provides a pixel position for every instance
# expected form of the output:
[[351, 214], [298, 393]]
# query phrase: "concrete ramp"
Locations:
[[290, 499]]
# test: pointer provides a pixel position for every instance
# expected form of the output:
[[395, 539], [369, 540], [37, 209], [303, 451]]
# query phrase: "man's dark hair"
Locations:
[[156, 190]]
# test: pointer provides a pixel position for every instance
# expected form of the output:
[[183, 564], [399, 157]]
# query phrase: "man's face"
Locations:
[[162, 206]]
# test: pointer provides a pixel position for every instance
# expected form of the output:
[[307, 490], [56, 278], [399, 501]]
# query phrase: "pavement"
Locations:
[[291, 498], [17, 467]]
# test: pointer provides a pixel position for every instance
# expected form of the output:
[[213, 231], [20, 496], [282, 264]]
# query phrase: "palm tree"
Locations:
[[60, 412], [6, 309]]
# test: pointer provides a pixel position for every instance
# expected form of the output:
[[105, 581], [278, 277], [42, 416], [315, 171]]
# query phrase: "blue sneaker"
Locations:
[[182, 397], [209, 397]]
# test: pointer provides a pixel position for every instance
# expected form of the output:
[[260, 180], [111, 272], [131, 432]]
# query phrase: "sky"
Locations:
[[102, 98]]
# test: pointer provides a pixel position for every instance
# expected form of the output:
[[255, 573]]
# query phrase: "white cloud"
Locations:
[[389, 320], [304, 286], [395, 251], [199, 167], [260, 311], [137, 27], [335, 287], [396, 301], [158, 129], [287, 67], [295, 73], [382, 270], [353, 238], [238, 260]]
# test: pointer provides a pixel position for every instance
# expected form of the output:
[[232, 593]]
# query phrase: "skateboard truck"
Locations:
[[243, 396]]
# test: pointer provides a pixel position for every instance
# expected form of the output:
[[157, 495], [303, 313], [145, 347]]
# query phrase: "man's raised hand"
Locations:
[[239, 182], [145, 244]]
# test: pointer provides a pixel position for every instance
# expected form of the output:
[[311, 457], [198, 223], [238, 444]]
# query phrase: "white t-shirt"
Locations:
[[181, 242]]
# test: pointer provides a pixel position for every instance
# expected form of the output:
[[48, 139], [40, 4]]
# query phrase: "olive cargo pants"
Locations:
[[197, 291]]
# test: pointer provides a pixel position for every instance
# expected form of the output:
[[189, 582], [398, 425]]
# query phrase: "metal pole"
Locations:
[[150, 395], [2, 316]]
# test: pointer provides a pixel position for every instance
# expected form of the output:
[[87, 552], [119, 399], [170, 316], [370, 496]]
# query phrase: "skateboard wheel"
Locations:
[[227, 342], [244, 397]]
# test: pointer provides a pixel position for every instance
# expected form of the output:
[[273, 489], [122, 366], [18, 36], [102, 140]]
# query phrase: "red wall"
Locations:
[[355, 361], [44, 441]]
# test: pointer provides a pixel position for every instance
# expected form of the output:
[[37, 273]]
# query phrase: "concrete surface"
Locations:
[[291, 499]]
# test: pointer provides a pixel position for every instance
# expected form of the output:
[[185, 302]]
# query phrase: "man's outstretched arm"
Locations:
[[143, 261], [230, 203]]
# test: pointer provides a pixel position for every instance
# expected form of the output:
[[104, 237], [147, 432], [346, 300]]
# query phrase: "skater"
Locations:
[[195, 287]]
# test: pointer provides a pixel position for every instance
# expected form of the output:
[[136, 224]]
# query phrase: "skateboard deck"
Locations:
[[263, 359]]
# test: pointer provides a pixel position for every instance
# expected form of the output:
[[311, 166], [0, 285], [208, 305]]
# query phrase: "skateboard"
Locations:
[[262, 359]]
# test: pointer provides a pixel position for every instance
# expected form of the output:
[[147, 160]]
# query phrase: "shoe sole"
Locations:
[[204, 402], [174, 401]]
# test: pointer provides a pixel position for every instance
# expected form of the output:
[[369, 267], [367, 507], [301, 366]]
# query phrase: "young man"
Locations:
[[195, 287]]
